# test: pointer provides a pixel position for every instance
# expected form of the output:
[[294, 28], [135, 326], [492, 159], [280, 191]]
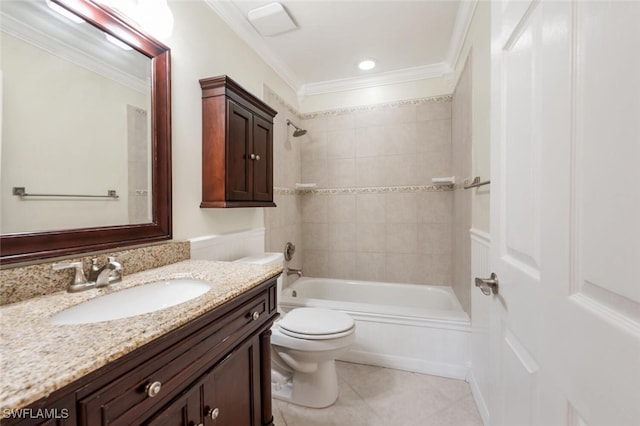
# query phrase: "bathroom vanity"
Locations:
[[204, 362]]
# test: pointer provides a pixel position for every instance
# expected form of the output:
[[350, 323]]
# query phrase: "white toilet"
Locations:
[[304, 345]]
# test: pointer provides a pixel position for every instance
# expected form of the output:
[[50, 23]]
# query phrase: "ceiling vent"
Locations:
[[271, 19]]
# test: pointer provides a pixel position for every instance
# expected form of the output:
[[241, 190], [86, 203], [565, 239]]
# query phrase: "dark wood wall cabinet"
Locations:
[[237, 146], [214, 370]]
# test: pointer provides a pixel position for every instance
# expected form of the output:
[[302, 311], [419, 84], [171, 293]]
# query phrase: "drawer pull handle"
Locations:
[[255, 316], [214, 413], [153, 389]]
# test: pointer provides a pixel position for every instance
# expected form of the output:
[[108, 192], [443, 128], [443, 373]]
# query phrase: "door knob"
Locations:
[[213, 413], [488, 285]]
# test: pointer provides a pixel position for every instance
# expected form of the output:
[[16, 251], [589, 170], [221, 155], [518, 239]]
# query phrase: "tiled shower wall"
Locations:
[[283, 223], [461, 164], [375, 214]]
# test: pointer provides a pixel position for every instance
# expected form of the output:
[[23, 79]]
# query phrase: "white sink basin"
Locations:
[[132, 301]]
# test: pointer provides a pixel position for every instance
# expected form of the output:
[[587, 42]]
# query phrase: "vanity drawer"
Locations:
[[134, 396]]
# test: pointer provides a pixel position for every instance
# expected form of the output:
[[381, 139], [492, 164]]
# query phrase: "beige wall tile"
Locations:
[[316, 263], [315, 236], [341, 208], [314, 209], [433, 136], [402, 237], [401, 207], [315, 171], [371, 237], [341, 121], [435, 238], [433, 111], [341, 143], [313, 146], [400, 138], [342, 264], [370, 266], [342, 237], [402, 268], [370, 141], [402, 170], [370, 171], [371, 208], [435, 207], [342, 173]]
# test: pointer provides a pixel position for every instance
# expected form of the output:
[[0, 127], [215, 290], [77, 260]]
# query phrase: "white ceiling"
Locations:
[[410, 40]]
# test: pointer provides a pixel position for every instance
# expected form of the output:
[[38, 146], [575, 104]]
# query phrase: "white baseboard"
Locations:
[[407, 364], [481, 404]]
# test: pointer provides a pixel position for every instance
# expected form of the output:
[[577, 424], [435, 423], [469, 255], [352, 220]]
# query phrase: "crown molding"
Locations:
[[380, 79], [232, 16], [460, 29]]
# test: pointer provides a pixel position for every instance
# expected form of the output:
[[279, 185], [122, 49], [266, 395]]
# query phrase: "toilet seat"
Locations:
[[316, 324]]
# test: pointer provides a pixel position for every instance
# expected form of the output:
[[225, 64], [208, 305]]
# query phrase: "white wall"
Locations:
[[202, 45]]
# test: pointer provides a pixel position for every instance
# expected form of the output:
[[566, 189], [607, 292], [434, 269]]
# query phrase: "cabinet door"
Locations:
[[231, 392], [263, 163], [183, 411], [239, 149]]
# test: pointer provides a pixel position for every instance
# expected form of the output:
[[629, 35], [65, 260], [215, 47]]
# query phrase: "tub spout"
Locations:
[[291, 271]]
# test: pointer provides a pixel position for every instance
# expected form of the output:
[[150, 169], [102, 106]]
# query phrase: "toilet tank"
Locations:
[[267, 259]]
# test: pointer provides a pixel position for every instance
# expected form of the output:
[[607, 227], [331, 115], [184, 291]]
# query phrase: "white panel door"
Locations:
[[565, 326]]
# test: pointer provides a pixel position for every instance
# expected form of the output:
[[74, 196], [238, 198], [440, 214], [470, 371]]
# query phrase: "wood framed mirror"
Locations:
[[18, 245]]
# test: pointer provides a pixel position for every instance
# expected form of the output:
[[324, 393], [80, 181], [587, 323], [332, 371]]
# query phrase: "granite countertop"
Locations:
[[37, 358]]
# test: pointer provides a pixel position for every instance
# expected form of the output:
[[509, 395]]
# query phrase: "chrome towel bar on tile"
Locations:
[[20, 191], [476, 182]]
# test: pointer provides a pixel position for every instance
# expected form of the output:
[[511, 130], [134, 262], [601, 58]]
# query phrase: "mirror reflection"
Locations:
[[76, 124]]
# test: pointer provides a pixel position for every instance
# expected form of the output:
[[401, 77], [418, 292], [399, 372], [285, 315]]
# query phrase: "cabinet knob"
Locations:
[[257, 157], [153, 389], [252, 156], [255, 316], [213, 413]]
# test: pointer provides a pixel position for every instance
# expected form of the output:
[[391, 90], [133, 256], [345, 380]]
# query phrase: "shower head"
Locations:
[[298, 131]]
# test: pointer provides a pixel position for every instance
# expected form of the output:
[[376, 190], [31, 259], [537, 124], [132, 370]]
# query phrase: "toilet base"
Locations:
[[318, 389]]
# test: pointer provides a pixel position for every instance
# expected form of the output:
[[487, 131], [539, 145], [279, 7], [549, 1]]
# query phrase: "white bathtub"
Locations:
[[405, 326]]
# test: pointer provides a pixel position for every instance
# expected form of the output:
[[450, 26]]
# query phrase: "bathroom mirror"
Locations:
[[85, 148]]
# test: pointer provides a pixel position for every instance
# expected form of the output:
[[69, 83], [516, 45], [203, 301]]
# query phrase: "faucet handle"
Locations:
[[79, 278], [116, 274]]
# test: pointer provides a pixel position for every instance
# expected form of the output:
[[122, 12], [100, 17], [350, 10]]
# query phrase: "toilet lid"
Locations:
[[316, 323]]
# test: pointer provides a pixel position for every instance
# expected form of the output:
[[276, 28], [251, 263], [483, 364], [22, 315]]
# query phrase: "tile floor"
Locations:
[[375, 396]]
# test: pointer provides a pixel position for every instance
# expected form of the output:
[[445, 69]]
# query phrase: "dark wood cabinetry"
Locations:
[[237, 146], [214, 370]]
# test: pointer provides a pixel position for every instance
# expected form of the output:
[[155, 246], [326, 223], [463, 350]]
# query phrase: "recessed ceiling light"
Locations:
[[367, 64]]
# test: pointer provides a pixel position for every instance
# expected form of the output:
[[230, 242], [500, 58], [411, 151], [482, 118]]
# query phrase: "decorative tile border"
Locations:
[[395, 104], [365, 190]]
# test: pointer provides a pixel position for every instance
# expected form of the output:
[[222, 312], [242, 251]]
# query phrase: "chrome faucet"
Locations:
[[109, 273], [292, 271]]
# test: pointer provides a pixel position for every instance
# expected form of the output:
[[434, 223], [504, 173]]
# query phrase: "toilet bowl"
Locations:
[[304, 345]]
